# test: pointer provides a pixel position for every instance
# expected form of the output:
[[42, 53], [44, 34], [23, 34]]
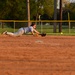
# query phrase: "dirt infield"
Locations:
[[28, 55]]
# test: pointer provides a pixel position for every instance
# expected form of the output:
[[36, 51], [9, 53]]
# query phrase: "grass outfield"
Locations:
[[49, 31]]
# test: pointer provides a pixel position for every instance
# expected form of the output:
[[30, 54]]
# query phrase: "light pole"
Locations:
[[60, 25], [40, 14], [69, 21], [36, 11], [55, 15], [28, 12]]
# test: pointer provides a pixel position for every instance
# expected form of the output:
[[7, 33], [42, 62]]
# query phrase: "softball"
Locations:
[[61, 32]]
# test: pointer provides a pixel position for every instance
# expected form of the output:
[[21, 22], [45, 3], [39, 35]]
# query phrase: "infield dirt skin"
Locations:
[[29, 55]]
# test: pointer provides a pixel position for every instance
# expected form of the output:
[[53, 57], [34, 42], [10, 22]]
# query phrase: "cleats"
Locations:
[[5, 32]]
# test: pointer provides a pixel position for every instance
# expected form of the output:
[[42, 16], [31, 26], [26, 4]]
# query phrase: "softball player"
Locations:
[[21, 31]]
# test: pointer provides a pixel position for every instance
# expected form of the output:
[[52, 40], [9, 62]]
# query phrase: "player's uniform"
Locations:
[[21, 31]]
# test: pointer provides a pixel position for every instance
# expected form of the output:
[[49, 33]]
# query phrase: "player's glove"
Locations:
[[43, 34]]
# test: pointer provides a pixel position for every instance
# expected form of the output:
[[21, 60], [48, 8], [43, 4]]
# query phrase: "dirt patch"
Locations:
[[28, 55]]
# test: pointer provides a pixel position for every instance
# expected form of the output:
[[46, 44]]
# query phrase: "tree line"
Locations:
[[17, 10]]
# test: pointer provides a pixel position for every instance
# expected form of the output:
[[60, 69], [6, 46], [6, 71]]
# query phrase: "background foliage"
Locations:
[[17, 9]]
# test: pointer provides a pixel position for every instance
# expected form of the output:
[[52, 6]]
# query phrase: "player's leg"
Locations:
[[8, 33], [18, 33]]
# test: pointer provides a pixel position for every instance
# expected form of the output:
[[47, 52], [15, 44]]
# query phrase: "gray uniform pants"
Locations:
[[18, 33]]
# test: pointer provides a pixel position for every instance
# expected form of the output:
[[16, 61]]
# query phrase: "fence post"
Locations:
[[14, 26], [69, 26], [69, 21], [41, 28], [2, 25], [55, 15]]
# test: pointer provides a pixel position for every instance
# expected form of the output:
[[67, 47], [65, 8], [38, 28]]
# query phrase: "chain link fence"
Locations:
[[68, 26]]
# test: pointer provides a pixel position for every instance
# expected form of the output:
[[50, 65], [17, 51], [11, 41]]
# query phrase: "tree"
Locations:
[[13, 9], [43, 8], [49, 7]]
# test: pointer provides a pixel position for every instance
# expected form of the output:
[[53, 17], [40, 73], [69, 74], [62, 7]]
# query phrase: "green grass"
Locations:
[[48, 30], [64, 34], [7, 29]]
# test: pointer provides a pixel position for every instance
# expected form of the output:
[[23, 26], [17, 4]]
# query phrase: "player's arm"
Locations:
[[35, 32], [32, 33]]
